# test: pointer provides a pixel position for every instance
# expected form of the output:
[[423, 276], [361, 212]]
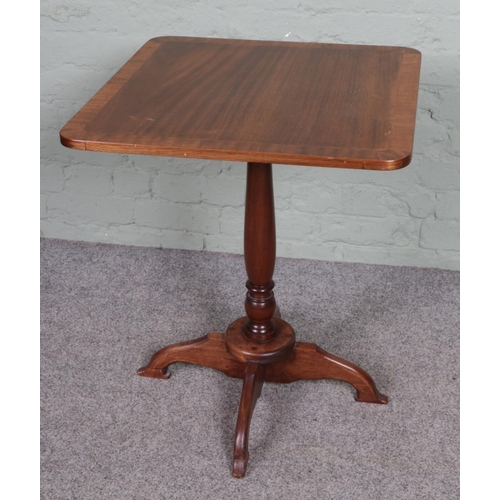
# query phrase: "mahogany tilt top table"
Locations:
[[259, 102]]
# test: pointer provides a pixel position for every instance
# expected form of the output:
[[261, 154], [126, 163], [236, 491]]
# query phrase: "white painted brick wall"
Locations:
[[407, 217]]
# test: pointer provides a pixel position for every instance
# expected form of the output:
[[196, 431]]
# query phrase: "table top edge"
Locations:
[[160, 39], [395, 159]]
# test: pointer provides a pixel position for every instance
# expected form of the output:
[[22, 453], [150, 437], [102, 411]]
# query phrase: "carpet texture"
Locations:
[[107, 433]]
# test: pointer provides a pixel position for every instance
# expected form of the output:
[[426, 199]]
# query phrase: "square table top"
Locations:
[[312, 104]]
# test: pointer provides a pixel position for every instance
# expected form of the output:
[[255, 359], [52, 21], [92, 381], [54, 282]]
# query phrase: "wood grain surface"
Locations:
[[313, 104], [260, 252], [209, 350], [252, 388]]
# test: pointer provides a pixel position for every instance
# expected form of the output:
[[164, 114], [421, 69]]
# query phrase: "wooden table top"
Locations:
[[313, 104]]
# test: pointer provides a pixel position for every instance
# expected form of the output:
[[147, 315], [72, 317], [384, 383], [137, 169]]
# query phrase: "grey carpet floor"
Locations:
[[107, 433]]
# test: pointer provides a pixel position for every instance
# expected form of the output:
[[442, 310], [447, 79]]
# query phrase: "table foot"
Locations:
[[209, 351], [252, 387], [310, 362]]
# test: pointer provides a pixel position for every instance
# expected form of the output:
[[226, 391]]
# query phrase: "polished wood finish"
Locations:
[[260, 337], [261, 346], [317, 104], [260, 252], [261, 102], [306, 362], [252, 387], [271, 351], [310, 362], [209, 351]]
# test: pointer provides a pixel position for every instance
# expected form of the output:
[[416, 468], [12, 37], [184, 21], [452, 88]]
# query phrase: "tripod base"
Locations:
[[287, 363]]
